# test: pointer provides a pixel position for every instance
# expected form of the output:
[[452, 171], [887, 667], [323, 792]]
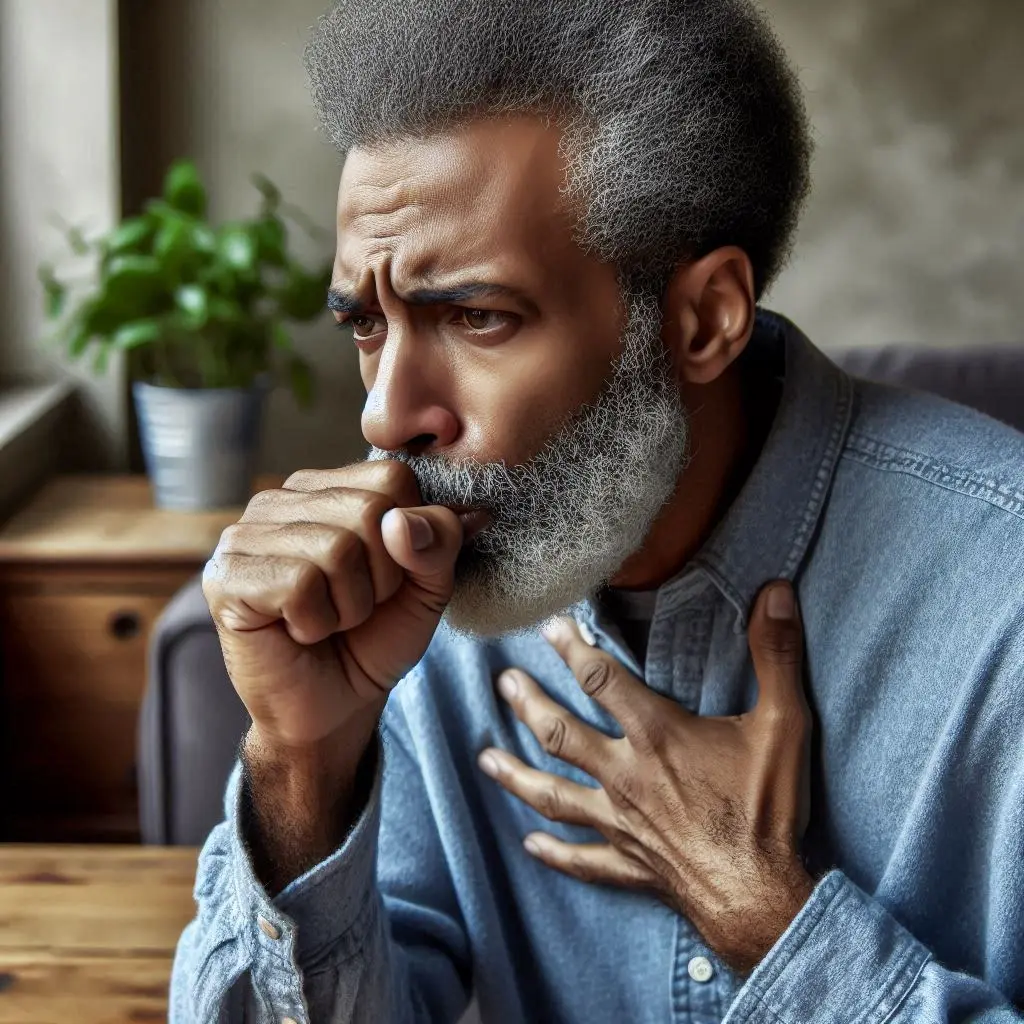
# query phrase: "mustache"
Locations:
[[462, 484]]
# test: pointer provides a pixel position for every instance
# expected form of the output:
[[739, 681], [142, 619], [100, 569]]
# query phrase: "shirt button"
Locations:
[[267, 928], [700, 969]]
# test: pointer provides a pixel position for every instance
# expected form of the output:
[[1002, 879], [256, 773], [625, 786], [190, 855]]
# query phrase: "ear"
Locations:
[[708, 313]]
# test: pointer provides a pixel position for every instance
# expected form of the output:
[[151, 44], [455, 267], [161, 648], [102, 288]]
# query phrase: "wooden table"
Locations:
[[87, 933]]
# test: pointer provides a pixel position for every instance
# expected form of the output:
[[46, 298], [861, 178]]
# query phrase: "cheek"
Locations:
[[512, 410]]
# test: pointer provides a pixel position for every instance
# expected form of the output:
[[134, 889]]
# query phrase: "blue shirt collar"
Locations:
[[767, 531]]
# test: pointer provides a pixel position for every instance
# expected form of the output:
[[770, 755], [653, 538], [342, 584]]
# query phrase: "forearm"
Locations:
[[298, 805]]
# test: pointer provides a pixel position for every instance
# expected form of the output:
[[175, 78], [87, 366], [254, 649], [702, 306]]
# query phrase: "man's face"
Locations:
[[501, 362]]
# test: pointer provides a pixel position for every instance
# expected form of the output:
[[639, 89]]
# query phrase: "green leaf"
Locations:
[[304, 295], [77, 241], [101, 359], [193, 300], [79, 341], [139, 332], [280, 337], [184, 190], [271, 239], [129, 235], [226, 310], [237, 248], [132, 288], [204, 238], [54, 293], [300, 376]]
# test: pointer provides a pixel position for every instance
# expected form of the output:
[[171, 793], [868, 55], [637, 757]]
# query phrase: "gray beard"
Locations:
[[565, 521]]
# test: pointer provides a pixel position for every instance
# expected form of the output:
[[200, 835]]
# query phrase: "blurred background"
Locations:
[[914, 232]]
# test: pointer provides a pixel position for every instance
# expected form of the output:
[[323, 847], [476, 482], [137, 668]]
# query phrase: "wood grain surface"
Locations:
[[87, 934], [109, 519]]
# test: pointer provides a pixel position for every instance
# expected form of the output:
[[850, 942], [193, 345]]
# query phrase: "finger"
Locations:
[[555, 798], [618, 691], [596, 863], [339, 553], [246, 594], [558, 731], [776, 646], [355, 509], [412, 614], [425, 542], [387, 476]]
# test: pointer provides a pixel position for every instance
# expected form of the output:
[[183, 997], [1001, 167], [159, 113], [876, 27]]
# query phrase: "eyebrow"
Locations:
[[344, 302]]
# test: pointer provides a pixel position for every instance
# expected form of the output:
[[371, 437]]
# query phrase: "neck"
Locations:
[[726, 436]]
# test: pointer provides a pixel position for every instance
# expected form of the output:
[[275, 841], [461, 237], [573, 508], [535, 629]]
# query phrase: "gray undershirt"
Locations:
[[632, 611]]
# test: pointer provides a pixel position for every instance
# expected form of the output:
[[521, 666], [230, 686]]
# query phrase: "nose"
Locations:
[[403, 412]]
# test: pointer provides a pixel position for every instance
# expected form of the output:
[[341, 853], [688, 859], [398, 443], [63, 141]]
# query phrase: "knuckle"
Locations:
[[581, 868], [370, 510], [306, 480], [651, 735], [213, 580], [549, 804], [262, 503], [595, 677], [624, 787], [783, 644], [231, 538], [306, 580], [397, 479], [552, 735], [343, 551]]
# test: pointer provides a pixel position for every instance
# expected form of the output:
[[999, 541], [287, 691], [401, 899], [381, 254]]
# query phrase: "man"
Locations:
[[555, 220]]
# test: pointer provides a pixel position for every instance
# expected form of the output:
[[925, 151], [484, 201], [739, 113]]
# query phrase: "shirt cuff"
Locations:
[[844, 957], [324, 912]]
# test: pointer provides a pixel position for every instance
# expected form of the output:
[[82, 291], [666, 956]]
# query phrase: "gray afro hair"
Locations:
[[683, 125]]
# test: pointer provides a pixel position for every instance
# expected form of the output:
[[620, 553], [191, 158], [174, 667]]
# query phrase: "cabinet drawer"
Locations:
[[73, 679]]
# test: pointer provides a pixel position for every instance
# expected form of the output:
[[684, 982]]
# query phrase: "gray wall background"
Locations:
[[914, 233]]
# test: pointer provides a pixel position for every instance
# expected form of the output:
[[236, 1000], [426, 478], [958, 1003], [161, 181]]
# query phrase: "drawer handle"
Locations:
[[125, 625]]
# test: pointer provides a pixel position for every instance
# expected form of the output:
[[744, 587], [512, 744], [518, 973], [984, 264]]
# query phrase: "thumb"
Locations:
[[425, 542], [776, 645]]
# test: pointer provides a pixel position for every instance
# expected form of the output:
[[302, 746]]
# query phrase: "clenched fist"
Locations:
[[326, 593]]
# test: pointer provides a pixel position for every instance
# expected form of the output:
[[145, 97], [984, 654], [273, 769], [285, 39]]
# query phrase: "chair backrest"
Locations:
[[987, 378]]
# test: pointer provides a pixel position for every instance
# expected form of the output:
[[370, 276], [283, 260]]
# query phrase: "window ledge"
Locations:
[[30, 441], [24, 405]]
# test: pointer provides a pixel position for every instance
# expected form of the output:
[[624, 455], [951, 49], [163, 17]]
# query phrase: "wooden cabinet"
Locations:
[[85, 570]]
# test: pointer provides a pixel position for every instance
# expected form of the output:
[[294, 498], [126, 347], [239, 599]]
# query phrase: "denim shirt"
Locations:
[[900, 517]]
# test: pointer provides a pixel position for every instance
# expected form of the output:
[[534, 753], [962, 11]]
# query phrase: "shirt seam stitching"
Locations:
[[890, 458]]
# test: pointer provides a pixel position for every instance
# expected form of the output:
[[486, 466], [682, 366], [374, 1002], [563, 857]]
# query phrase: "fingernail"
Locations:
[[507, 686], [421, 532], [489, 765], [780, 603], [587, 633], [531, 846]]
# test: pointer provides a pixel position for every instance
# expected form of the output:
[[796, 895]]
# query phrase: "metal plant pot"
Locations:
[[200, 445]]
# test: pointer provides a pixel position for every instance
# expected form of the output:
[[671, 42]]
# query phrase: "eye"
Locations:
[[362, 326], [483, 319]]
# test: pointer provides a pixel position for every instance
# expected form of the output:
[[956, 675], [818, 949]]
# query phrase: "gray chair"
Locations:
[[192, 720]]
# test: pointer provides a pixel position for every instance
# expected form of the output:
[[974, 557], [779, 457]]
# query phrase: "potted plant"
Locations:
[[200, 312]]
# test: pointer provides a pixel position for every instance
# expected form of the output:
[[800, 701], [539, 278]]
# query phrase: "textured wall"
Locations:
[[58, 155], [915, 229]]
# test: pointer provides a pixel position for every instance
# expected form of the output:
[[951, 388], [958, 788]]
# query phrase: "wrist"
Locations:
[[298, 803], [778, 900]]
